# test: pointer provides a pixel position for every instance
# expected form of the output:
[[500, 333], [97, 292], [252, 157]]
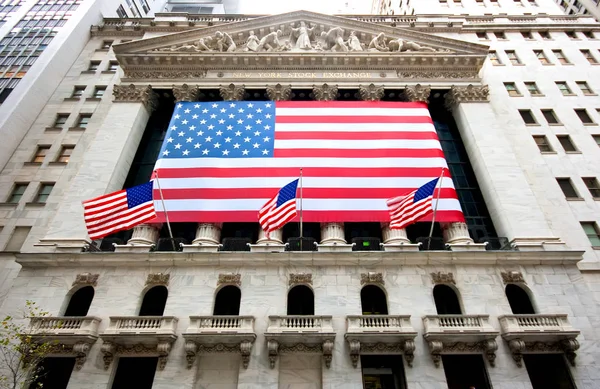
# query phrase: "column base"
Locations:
[[400, 246], [334, 247], [466, 246], [129, 248], [201, 248], [538, 244], [267, 248]]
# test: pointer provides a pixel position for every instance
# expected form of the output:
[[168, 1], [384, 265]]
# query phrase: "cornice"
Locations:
[[233, 259]]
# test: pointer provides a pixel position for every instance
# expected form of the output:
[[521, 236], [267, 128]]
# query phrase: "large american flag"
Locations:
[[221, 161]]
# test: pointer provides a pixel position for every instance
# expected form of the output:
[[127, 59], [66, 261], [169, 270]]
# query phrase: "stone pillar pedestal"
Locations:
[[456, 235], [332, 238], [274, 243], [208, 238], [396, 239], [143, 238]]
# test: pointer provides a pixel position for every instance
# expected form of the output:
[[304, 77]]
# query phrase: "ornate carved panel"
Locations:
[[372, 278], [158, 279], [230, 279], [300, 278], [84, 279], [512, 277], [134, 93], [443, 278]]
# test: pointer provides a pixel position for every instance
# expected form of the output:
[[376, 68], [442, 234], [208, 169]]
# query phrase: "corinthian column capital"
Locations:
[[467, 94], [133, 93], [232, 92], [185, 92], [417, 93], [371, 92], [279, 92], [325, 92]]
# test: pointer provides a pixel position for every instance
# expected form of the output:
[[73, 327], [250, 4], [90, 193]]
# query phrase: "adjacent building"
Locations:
[[509, 299]]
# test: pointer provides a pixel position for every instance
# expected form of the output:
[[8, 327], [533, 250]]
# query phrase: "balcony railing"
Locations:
[[300, 323], [220, 324], [453, 324], [379, 323], [535, 323], [141, 325], [65, 326]]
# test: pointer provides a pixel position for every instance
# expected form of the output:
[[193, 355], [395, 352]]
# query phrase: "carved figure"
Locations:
[[225, 42], [378, 43], [201, 45], [286, 46], [252, 42], [402, 45], [354, 43], [302, 35], [334, 39], [269, 42]]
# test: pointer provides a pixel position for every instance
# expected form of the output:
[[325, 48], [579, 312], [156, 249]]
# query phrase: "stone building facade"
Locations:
[[515, 288]]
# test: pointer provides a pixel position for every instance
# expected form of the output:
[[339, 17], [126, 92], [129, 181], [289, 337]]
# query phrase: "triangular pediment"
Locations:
[[300, 40]]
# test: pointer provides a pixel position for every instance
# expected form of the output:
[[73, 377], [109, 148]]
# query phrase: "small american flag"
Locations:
[[405, 210], [119, 211], [280, 209]]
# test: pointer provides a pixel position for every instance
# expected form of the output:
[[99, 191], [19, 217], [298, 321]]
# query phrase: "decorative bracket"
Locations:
[[519, 346], [406, 347], [275, 349], [110, 349], [487, 346], [193, 349]]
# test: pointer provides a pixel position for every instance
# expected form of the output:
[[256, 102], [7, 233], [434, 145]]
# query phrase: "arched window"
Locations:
[[227, 301], [154, 301], [80, 302], [519, 300], [373, 301], [301, 301], [446, 300]]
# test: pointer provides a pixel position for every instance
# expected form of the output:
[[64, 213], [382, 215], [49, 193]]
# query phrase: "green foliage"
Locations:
[[22, 350]]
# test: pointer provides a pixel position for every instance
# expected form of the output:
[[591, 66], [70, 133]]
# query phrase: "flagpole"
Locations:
[[162, 200], [436, 206], [301, 207]]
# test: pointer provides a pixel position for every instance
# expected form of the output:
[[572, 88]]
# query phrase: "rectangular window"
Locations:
[[584, 116], [512, 57], [113, 66], [533, 89], [527, 116], [17, 239], [589, 34], [588, 55], [78, 91], [542, 143], [561, 57], [566, 143], [83, 120], [545, 35], [482, 35], [511, 88], [65, 154], [593, 186], [43, 193], [93, 66], [564, 88], [550, 116], [500, 35], [567, 187], [541, 57], [121, 12], [17, 193], [61, 119], [493, 56], [596, 139], [591, 230], [571, 34], [106, 45], [99, 92], [585, 88], [527, 35], [40, 154]]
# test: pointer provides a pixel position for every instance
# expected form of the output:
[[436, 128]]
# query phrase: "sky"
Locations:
[[321, 6]]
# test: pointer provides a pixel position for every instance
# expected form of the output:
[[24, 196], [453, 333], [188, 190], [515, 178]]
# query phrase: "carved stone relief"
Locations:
[[417, 93], [110, 350], [279, 92], [185, 92], [371, 92], [406, 347], [165, 74], [467, 94], [325, 92], [230, 279], [518, 347], [158, 279], [438, 74], [437, 347], [134, 93], [512, 277], [80, 350], [232, 92], [193, 349], [84, 279], [443, 278], [275, 349], [372, 278], [300, 278]]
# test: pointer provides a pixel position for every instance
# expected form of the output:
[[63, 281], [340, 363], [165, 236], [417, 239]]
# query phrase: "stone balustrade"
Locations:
[[220, 324], [457, 323], [64, 326], [510, 324], [300, 323], [379, 323], [121, 325]]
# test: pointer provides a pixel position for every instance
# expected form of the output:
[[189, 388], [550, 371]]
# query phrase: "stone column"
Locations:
[[99, 164], [143, 238], [396, 239], [208, 238], [504, 185]]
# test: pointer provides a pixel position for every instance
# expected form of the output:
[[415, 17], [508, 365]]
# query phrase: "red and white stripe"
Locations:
[[109, 213], [354, 156], [272, 218], [404, 211]]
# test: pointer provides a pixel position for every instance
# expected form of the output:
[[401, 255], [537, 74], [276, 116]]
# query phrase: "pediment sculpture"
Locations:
[[301, 37]]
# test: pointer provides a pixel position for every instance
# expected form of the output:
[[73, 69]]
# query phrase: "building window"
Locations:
[[511, 88], [99, 92], [121, 12], [533, 89], [519, 301], [80, 302], [585, 88], [541, 57], [465, 371], [591, 230], [60, 120], [561, 57], [93, 66], [17, 193], [106, 45], [571, 34], [566, 143], [550, 116], [227, 301], [584, 116], [512, 57], [300, 301], [43, 193], [545, 35], [588, 55], [65, 154], [493, 56], [83, 120], [567, 187], [564, 88], [78, 92], [527, 116], [113, 66], [446, 300], [542, 143], [548, 370], [482, 36], [596, 139], [589, 34], [527, 35], [154, 302], [500, 35], [40, 154], [593, 186]]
